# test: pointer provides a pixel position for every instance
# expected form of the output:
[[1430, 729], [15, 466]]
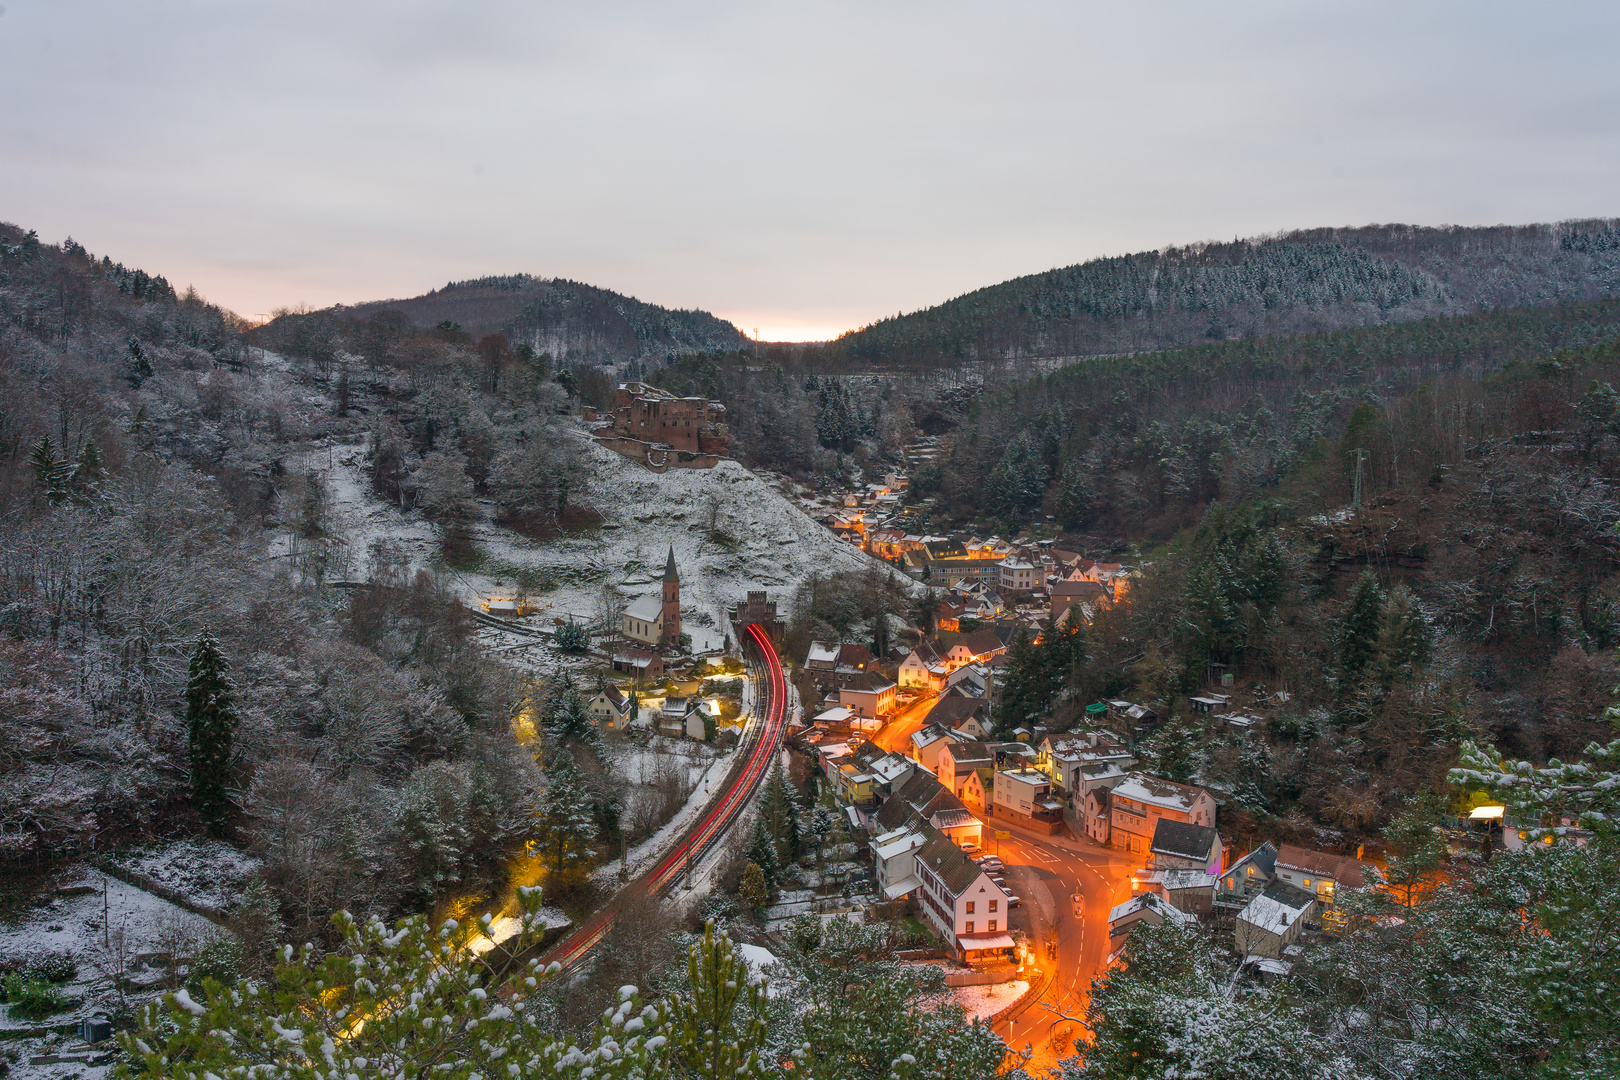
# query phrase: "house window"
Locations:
[[1307, 883], [992, 926], [969, 929], [970, 907], [992, 905]]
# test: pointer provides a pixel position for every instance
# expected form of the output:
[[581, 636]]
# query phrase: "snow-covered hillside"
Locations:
[[774, 545]]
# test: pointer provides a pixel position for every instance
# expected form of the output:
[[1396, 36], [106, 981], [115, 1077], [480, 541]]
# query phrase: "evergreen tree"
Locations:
[[1075, 506], [1027, 692], [753, 893], [762, 852], [565, 718], [880, 634], [210, 724], [635, 707], [718, 1021], [572, 637], [1360, 623], [140, 368], [1404, 640], [564, 824], [51, 473], [87, 470]]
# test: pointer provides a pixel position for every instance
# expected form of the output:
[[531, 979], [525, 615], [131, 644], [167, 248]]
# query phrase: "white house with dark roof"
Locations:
[[1140, 802], [1249, 875], [1150, 908], [960, 901], [609, 707], [926, 743]]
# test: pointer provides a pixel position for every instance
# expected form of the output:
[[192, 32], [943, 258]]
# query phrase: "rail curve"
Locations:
[[759, 747]]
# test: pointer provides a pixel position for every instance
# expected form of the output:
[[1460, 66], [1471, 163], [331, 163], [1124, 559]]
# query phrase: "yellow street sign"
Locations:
[[1003, 835]]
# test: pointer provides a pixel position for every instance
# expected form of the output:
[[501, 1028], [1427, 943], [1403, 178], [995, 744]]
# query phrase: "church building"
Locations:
[[653, 620]]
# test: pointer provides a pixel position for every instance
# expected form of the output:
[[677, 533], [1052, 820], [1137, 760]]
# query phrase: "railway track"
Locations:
[[759, 747]]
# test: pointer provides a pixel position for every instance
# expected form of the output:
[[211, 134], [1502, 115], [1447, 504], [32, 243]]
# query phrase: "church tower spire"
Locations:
[[672, 602]]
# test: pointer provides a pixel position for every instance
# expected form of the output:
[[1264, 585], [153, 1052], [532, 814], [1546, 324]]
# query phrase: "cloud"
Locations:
[[799, 165]]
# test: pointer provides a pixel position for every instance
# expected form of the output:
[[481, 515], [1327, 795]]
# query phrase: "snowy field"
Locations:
[[775, 547], [205, 872], [122, 934], [983, 1002]]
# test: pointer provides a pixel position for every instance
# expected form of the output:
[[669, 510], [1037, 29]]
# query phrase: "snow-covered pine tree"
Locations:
[[564, 718], [718, 1021], [210, 725], [566, 829]]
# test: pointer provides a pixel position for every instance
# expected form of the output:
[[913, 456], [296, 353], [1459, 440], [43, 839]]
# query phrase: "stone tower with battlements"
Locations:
[[672, 603]]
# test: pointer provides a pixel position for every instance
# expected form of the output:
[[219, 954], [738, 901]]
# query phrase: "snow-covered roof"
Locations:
[[899, 888], [1276, 909], [896, 843], [822, 652], [1150, 789], [1151, 902], [646, 607], [836, 715]]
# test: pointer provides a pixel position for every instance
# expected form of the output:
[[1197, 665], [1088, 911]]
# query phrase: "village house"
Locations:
[[969, 717], [960, 901], [922, 800], [1273, 920], [924, 669], [1097, 813], [1149, 908], [870, 695], [832, 664], [959, 762], [889, 770], [1019, 575], [609, 707], [1066, 594], [926, 743], [1318, 872], [1178, 845], [1246, 878], [1024, 795], [1140, 801], [684, 716], [1077, 763], [655, 621], [970, 681], [1192, 891], [894, 861], [975, 648], [642, 663]]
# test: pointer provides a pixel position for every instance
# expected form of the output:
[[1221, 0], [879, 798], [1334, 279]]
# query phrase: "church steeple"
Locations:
[[672, 603]]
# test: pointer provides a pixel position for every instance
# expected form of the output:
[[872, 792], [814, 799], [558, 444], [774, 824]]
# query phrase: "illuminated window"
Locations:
[[992, 926], [969, 929], [992, 905]]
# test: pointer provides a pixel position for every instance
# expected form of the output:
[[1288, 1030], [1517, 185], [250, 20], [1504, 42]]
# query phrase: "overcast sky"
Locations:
[[801, 168]]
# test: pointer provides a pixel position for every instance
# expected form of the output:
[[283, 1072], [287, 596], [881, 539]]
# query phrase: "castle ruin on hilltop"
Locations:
[[661, 430]]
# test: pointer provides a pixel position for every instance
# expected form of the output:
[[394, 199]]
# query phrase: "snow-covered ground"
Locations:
[[706, 773], [776, 546], [114, 934], [205, 872], [983, 1002]]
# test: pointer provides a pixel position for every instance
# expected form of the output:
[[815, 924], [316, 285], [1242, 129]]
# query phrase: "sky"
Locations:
[[800, 169]]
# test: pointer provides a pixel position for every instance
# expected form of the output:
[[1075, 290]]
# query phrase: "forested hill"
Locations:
[[573, 322], [1321, 279]]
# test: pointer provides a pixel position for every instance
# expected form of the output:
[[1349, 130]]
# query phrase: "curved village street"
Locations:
[[1048, 872]]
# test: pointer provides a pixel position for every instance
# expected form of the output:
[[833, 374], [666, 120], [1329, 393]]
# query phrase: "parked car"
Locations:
[[1014, 901]]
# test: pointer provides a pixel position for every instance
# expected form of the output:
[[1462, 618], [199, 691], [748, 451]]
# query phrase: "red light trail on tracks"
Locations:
[[712, 825]]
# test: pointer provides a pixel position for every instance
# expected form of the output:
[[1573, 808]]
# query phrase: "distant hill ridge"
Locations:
[[572, 321], [1317, 279]]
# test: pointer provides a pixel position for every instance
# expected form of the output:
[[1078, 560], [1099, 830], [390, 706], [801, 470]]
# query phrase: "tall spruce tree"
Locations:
[[210, 724], [566, 825], [1359, 626]]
